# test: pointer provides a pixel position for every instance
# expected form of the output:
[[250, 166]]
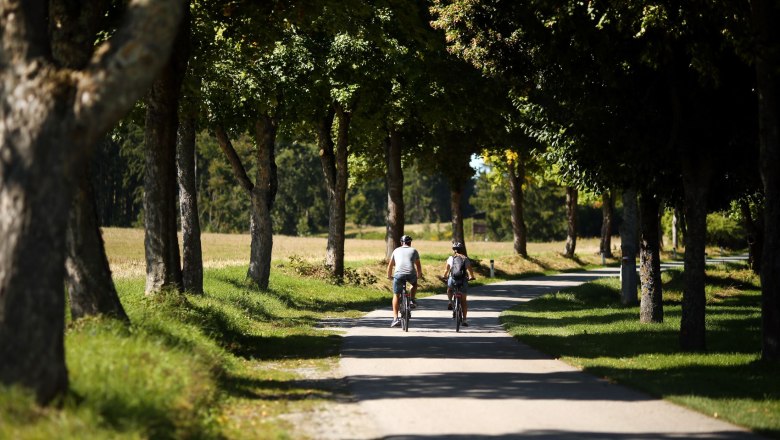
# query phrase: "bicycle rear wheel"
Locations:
[[458, 315], [405, 312]]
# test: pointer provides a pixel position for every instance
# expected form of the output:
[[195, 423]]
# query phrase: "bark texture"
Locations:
[[765, 16], [88, 277], [334, 167], [696, 178], [628, 246], [262, 195], [91, 290], [607, 208], [192, 253], [571, 222], [651, 309], [42, 143], [516, 204], [161, 240], [395, 192]]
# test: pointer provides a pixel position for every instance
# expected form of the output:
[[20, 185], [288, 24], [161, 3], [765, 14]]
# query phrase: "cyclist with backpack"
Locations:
[[406, 261], [460, 272]]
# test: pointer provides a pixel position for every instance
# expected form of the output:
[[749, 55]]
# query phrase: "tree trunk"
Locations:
[[395, 193], [571, 221], [88, 277], [35, 197], [161, 241], [516, 204], [192, 254], [696, 177], [765, 16], [42, 144], [628, 247], [456, 194], [262, 195], [651, 308], [755, 236], [605, 245], [334, 167]]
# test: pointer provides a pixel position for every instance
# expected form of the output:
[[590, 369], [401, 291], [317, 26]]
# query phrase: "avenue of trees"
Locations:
[[660, 105]]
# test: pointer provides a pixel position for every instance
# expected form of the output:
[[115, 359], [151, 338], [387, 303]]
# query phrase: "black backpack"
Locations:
[[458, 269]]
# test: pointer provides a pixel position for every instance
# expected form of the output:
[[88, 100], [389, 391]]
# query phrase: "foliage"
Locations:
[[352, 276], [301, 207], [725, 232]]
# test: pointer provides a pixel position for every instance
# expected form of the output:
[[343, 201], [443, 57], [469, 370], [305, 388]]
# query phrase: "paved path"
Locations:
[[481, 383]]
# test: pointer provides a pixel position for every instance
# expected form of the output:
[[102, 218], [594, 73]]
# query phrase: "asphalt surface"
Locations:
[[434, 383]]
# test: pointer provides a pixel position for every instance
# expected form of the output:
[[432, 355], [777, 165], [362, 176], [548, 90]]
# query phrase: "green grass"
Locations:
[[235, 362], [586, 326], [222, 365]]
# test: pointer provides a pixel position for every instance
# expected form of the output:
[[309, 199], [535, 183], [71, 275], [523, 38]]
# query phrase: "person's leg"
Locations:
[[396, 291], [465, 300]]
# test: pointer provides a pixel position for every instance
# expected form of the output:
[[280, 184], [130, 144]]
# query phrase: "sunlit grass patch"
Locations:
[[587, 326]]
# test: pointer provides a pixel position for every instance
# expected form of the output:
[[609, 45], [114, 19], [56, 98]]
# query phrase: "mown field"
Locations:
[[238, 363]]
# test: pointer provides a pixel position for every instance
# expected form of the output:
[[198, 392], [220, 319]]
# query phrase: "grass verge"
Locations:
[[226, 364], [586, 326]]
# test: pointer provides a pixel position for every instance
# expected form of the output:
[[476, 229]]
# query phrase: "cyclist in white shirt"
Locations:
[[406, 261]]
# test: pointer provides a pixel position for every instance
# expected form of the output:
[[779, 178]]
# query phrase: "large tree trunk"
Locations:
[[395, 193], [516, 204], [571, 221], [88, 277], [192, 253], [651, 308], [605, 245], [628, 247], [766, 15], [161, 241], [42, 144], [334, 167], [696, 177], [262, 195], [35, 198], [90, 288]]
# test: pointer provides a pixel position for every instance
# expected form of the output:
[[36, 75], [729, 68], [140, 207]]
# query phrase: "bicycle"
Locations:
[[457, 306], [405, 308]]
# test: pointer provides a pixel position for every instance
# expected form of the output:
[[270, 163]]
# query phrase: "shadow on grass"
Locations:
[[285, 390]]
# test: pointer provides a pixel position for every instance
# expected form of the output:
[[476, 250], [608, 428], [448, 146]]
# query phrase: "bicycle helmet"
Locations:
[[457, 246], [406, 239]]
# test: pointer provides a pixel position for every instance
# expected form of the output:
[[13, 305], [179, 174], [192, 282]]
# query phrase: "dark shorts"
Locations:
[[398, 281], [451, 283]]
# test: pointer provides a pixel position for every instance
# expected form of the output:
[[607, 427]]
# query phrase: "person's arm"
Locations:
[[390, 265], [470, 270], [419, 268], [446, 269]]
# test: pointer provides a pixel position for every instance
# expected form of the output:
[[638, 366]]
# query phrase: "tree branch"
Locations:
[[235, 161], [123, 68]]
